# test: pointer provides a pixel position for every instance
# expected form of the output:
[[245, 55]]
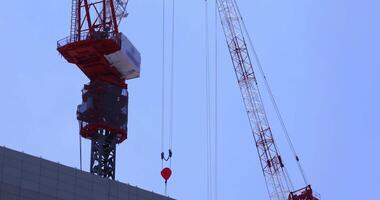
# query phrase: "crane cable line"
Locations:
[[216, 136], [171, 93], [163, 77], [273, 100], [211, 140], [163, 83], [208, 106], [171, 98], [80, 152]]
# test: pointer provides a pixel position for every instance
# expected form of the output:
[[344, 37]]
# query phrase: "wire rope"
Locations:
[[167, 134], [171, 103], [208, 106], [163, 81], [216, 135], [80, 152]]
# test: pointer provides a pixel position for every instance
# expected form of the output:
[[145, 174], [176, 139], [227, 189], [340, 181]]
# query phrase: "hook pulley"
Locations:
[[169, 156]]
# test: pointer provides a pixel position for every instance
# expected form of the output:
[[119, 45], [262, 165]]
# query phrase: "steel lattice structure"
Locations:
[[103, 154], [277, 182], [108, 59]]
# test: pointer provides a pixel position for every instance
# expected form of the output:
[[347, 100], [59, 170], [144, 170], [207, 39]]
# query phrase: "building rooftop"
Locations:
[[26, 177]]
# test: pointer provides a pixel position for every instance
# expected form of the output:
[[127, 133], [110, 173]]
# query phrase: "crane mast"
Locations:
[[106, 56], [277, 183]]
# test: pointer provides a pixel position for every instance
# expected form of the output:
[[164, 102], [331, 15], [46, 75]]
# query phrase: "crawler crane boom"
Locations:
[[278, 185]]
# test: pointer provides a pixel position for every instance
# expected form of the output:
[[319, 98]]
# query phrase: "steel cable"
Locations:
[[171, 98], [208, 106], [216, 136]]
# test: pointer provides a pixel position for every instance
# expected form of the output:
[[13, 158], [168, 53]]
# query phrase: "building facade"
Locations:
[[25, 177]]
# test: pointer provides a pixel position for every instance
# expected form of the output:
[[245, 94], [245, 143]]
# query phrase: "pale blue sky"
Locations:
[[321, 57]]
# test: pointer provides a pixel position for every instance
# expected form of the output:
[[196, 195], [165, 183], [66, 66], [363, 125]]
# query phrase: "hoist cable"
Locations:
[[289, 182], [273, 100], [163, 80], [166, 172], [171, 98], [80, 152], [216, 134], [208, 106]]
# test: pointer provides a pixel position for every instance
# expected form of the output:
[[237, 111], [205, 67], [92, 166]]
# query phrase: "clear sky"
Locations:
[[321, 58]]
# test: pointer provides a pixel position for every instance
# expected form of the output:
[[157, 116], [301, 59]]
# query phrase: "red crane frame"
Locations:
[[273, 168]]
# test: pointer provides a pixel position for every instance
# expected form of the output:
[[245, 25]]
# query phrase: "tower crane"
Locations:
[[108, 59], [273, 168]]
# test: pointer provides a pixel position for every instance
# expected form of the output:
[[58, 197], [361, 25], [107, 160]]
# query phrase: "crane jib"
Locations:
[[278, 184]]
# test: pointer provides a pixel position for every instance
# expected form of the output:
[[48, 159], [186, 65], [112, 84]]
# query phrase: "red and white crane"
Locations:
[[277, 181], [108, 59]]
